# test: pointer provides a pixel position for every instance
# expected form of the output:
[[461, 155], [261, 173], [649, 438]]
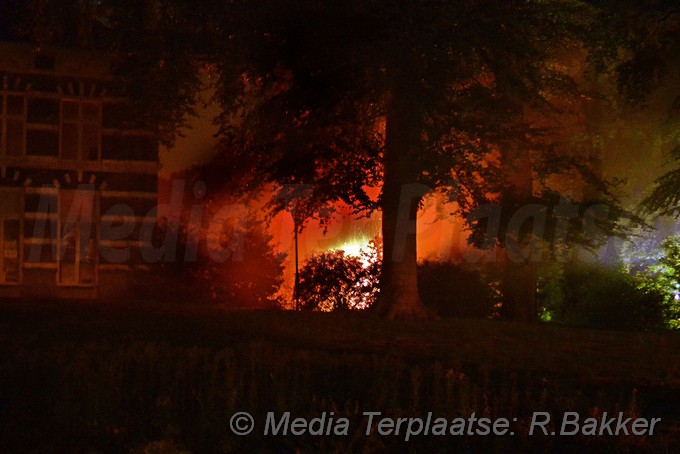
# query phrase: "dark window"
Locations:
[[122, 116], [130, 148], [10, 236], [69, 141], [14, 120], [42, 143], [43, 111], [131, 182], [15, 105], [140, 207], [80, 130], [114, 116]]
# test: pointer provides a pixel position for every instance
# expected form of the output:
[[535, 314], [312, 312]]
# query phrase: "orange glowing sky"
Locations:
[[635, 155], [196, 145], [437, 238]]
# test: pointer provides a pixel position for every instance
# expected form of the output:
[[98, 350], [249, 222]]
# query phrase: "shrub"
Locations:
[[663, 278], [454, 290], [586, 294], [336, 281], [234, 265]]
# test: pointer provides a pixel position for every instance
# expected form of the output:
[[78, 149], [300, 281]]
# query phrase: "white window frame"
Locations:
[[4, 120], [19, 216], [80, 124], [94, 243]]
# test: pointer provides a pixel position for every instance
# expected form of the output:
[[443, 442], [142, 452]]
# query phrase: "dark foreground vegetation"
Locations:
[[93, 378]]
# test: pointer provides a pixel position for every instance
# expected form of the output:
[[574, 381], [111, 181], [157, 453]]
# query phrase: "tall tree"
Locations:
[[653, 65], [639, 46], [409, 96]]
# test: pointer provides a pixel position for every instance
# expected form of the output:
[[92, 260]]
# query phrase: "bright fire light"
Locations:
[[358, 247], [354, 248]]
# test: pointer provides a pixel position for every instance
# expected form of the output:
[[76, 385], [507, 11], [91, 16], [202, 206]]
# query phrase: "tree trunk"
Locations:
[[399, 298], [519, 291], [519, 272]]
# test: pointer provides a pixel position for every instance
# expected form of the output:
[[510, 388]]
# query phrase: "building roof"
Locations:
[[31, 59]]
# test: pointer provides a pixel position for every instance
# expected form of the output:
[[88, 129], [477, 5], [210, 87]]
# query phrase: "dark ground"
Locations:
[[134, 377]]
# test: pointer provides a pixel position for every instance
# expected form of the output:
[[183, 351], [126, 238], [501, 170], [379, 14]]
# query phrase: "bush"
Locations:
[[336, 281], [591, 295], [664, 278], [453, 290], [235, 265]]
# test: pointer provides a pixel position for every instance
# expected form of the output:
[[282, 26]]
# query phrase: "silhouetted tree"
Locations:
[[224, 252], [663, 278], [649, 32], [333, 281], [410, 96], [589, 294], [252, 271]]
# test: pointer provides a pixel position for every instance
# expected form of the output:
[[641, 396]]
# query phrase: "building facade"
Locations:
[[78, 177]]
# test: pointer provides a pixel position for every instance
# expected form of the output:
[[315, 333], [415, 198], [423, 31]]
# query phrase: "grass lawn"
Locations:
[[131, 377]]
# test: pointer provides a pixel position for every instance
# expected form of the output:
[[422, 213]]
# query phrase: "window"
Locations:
[[130, 147], [78, 230], [42, 128], [80, 130], [11, 202], [13, 125]]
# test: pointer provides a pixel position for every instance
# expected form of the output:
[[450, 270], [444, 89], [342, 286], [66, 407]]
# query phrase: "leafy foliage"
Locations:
[[252, 276], [223, 250], [647, 32], [664, 278], [588, 294], [309, 104], [455, 290], [445, 95], [336, 281], [664, 198], [312, 91], [235, 264]]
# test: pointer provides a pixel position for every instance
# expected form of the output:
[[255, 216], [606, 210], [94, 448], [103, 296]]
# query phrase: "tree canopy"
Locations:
[[338, 98], [410, 97]]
